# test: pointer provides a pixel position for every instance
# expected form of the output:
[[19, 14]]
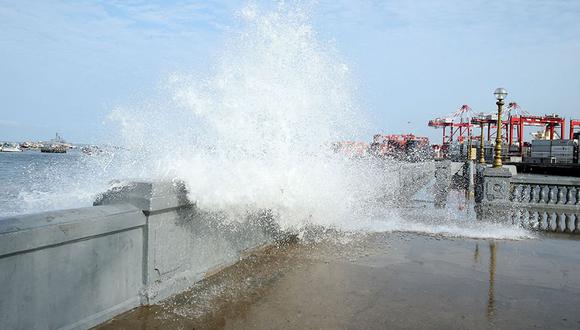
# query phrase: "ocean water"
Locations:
[[31, 181]]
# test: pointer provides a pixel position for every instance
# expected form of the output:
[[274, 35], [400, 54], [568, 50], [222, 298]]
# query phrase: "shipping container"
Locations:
[[541, 143], [562, 154], [562, 148], [562, 142], [540, 154], [541, 148]]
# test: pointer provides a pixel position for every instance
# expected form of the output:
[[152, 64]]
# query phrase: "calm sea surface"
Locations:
[[31, 181]]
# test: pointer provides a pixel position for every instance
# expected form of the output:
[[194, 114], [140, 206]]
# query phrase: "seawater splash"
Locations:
[[257, 133]]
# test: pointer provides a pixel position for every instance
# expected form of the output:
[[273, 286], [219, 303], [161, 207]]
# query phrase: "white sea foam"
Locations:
[[256, 133]]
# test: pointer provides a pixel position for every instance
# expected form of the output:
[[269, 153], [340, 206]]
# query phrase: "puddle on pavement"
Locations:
[[394, 280]]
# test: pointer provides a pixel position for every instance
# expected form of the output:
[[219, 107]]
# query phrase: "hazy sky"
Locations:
[[65, 64]]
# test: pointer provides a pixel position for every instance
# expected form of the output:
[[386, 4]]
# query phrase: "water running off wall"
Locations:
[[256, 133]]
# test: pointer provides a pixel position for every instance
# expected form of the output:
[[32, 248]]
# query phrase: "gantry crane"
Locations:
[[458, 130], [573, 124]]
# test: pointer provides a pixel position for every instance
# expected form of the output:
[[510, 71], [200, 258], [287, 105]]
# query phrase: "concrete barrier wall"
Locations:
[[70, 269], [140, 243]]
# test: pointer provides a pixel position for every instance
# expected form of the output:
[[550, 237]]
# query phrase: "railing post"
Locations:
[[469, 171], [493, 193], [442, 182]]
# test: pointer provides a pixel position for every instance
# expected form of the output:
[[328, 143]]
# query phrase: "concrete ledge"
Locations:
[[29, 232], [546, 180], [147, 196]]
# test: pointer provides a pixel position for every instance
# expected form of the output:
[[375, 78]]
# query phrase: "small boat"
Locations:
[[54, 149], [8, 147]]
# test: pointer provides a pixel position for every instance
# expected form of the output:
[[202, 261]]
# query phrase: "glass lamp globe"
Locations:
[[500, 93]]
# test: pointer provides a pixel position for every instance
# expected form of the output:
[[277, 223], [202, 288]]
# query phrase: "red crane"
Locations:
[[549, 121], [573, 124], [458, 130], [460, 125]]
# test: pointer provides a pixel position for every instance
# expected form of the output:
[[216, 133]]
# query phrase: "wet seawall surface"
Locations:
[[383, 280]]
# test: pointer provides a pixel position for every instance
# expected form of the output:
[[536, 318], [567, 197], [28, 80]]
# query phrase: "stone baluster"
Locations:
[[535, 193], [525, 196], [541, 220], [558, 228], [561, 194], [514, 192], [521, 193], [553, 221], [568, 223], [543, 194], [552, 194], [576, 224], [526, 218], [577, 195], [533, 219], [569, 195], [518, 216]]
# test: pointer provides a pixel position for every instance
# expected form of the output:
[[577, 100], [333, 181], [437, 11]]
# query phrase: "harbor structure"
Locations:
[[504, 140]]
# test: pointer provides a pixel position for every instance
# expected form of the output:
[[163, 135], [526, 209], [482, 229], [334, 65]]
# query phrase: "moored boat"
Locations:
[[54, 149], [8, 147]]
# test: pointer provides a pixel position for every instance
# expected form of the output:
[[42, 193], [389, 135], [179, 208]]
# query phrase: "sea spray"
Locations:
[[259, 130], [255, 134]]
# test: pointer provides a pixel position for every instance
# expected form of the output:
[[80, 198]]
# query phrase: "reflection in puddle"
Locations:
[[375, 281], [476, 254], [491, 290]]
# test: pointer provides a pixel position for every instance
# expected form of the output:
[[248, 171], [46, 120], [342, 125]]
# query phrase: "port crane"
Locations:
[[550, 122], [574, 123], [458, 124]]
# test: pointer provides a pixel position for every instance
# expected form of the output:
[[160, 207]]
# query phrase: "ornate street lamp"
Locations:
[[481, 145], [500, 94]]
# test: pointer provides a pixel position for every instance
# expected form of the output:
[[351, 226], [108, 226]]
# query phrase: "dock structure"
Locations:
[[458, 135]]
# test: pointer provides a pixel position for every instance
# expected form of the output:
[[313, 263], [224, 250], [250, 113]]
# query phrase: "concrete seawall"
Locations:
[[139, 244]]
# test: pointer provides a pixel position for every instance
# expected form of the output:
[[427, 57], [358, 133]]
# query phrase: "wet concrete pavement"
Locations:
[[378, 281]]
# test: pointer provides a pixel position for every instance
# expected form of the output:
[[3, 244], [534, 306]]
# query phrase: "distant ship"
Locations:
[[7, 147], [54, 149], [56, 146]]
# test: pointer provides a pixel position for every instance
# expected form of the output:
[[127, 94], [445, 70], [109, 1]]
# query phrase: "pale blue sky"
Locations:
[[65, 64]]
